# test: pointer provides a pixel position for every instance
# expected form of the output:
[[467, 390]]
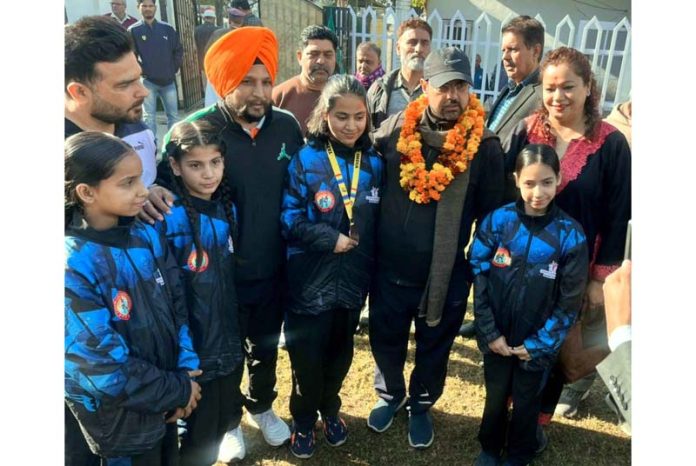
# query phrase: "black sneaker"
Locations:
[[487, 459], [302, 444], [335, 431]]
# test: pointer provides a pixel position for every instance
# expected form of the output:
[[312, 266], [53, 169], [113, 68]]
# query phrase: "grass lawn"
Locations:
[[593, 438]]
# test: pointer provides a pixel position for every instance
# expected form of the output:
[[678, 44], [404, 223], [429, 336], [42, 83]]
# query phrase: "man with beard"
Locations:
[[103, 92], [160, 53], [317, 58], [235, 19], [392, 92], [434, 192], [258, 140]]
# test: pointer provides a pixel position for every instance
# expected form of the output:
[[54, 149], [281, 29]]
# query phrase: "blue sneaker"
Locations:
[[335, 431], [486, 459], [302, 444], [420, 430], [383, 413]]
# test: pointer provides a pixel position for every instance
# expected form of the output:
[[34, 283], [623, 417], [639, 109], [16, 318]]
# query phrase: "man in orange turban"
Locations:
[[229, 59], [258, 141]]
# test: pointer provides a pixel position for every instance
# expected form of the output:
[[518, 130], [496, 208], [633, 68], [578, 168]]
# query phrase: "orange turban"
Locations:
[[231, 57]]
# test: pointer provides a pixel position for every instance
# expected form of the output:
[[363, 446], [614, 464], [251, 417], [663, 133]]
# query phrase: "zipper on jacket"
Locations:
[[521, 274], [218, 273], [160, 325]]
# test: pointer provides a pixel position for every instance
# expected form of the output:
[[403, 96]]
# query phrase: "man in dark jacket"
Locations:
[[392, 92], [160, 54], [258, 141], [422, 272], [523, 46], [202, 33]]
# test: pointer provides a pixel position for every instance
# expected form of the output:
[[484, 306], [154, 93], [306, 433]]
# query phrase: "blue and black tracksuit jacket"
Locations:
[[313, 215], [209, 286], [127, 343], [530, 276]]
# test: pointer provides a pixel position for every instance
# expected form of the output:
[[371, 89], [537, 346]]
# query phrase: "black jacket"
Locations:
[[378, 97], [530, 280], [211, 297], [255, 170], [127, 343], [313, 215], [406, 229]]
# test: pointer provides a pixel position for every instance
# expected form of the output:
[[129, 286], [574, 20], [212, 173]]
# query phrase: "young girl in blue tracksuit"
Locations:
[[201, 231], [328, 216], [129, 362], [530, 264]]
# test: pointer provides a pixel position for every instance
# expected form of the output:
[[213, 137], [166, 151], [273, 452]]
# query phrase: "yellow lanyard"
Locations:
[[348, 199]]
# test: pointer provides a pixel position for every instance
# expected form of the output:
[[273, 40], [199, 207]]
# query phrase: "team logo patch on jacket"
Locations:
[[373, 197], [122, 305], [325, 200], [502, 258], [550, 272], [191, 262]]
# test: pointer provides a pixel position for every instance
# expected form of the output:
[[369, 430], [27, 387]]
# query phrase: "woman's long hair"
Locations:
[[580, 65], [337, 86]]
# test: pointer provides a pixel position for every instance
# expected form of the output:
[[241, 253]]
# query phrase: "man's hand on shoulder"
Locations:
[[159, 202]]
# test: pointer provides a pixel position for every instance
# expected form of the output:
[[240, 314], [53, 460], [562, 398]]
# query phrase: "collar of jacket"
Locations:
[[433, 129], [536, 222], [203, 206], [342, 150], [231, 122], [532, 78], [116, 236]]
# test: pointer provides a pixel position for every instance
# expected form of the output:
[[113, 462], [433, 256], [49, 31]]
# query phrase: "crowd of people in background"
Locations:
[[285, 207]]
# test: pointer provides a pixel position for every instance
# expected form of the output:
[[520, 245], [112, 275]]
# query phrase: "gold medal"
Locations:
[[353, 233]]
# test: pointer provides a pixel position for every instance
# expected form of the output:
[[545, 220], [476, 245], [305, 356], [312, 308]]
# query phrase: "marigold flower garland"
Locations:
[[460, 147]]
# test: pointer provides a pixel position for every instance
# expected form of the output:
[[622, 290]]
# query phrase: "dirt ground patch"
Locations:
[[593, 438]]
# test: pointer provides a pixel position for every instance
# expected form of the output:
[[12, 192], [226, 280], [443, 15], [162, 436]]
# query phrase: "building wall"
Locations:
[[287, 19]]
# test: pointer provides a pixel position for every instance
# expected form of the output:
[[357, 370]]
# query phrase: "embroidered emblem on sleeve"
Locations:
[[502, 258]]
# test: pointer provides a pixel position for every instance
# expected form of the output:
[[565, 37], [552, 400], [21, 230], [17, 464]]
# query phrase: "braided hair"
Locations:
[[184, 137]]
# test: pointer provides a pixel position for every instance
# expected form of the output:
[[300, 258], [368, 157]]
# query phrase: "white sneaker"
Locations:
[[275, 431], [232, 446]]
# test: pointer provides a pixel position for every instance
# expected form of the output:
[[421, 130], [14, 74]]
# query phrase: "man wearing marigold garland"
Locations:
[[443, 171]]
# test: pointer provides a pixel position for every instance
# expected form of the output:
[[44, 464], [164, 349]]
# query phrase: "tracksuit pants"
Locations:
[[504, 377], [218, 411], [165, 453], [260, 321], [392, 309], [321, 352]]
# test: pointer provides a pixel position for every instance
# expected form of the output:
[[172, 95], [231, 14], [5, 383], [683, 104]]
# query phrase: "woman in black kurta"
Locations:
[[595, 187]]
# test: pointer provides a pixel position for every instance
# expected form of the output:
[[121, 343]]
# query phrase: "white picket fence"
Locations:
[[608, 48]]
